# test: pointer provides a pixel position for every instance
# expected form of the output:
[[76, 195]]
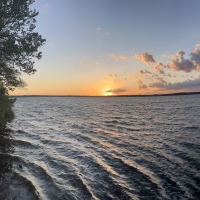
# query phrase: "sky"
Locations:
[[115, 47]]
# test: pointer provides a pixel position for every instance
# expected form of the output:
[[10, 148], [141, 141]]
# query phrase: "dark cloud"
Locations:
[[169, 74], [161, 84], [145, 72], [161, 65], [117, 91], [141, 85], [146, 58], [179, 63], [195, 56], [158, 70], [112, 75]]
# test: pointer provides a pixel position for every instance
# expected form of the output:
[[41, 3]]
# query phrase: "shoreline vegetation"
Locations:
[[6, 111], [19, 46], [145, 95]]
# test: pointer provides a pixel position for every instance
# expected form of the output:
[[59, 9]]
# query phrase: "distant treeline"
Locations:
[[150, 95]]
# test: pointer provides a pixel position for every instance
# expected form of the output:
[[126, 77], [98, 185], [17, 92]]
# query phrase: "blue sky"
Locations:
[[95, 47]]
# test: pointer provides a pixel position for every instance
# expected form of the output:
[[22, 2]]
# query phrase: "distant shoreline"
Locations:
[[150, 95]]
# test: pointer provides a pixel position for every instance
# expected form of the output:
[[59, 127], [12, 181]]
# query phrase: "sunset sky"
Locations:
[[105, 47]]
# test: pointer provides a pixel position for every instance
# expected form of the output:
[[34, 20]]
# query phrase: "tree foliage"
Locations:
[[19, 43], [6, 111]]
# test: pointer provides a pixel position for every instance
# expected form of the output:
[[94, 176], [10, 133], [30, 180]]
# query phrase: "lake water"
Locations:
[[102, 148]]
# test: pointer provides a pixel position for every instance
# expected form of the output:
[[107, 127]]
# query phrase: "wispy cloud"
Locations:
[[86, 65], [113, 56], [123, 57], [158, 69], [112, 75], [97, 63], [98, 29], [47, 5], [164, 56], [107, 33], [116, 91], [145, 72], [141, 85]]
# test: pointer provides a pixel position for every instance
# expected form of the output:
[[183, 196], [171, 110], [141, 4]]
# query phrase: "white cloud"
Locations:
[[98, 29]]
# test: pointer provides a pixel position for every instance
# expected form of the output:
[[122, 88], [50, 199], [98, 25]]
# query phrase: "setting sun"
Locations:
[[107, 92]]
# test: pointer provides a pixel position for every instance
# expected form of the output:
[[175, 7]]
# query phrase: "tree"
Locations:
[[19, 43], [6, 111]]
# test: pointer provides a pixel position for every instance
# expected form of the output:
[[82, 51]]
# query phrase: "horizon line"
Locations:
[[135, 95]]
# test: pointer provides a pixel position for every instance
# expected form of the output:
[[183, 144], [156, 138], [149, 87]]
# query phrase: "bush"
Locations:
[[6, 105]]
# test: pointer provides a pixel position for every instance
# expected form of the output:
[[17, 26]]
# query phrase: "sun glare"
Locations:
[[107, 92]]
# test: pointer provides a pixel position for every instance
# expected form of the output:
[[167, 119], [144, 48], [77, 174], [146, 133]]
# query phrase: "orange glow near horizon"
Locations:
[[95, 90], [57, 88], [105, 92], [77, 87], [108, 94]]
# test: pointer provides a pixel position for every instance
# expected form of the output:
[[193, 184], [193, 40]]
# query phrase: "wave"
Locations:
[[94, 148]]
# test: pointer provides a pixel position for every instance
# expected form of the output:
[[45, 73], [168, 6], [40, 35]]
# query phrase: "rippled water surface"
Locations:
[[102, 148]]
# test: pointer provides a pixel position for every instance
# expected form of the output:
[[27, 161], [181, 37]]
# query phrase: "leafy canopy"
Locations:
[[19, 43], [6, 105]]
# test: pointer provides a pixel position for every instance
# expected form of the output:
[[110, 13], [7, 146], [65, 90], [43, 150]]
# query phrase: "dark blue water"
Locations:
[[102, 148]]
